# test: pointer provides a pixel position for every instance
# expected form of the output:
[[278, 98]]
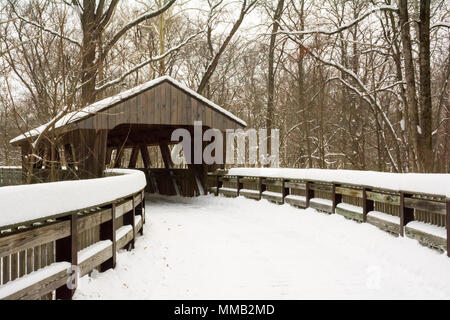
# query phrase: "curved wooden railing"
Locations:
[[39, 257], [421, 216]]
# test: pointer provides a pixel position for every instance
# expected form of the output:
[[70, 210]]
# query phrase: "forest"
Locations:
[[350, 84]]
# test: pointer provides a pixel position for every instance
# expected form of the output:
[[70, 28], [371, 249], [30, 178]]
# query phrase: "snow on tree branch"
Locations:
[[146, 62], [343, 27], [441, 24], [135, 22], [43, 28]]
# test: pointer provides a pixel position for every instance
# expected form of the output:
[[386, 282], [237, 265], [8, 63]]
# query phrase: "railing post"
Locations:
[[447, 205], [337, 198], [285, 190], [140, 211], [130, 219], [108, 232], [67, 251], [219, 184], [261, 187], [309, 193], [143, 210], [368, 205], [406, 214], [238, 185]]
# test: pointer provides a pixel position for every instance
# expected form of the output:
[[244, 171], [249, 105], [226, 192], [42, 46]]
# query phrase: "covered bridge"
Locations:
[[96, 137]]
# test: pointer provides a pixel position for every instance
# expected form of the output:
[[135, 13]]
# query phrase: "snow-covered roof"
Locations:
[[108, 102]]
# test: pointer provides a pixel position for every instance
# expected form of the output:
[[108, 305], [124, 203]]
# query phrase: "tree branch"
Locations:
[[133, 23], [143, 64]]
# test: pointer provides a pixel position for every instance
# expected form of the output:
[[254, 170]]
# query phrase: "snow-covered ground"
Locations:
[[219, 248]]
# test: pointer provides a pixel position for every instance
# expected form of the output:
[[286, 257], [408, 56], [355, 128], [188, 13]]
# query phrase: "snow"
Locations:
[[249, 191], [92, 250], [220, 248], [122, 231], [434, 230], [272, 194], [321, 201], [108, 102], [438, 184], [384, 216], [32, 278], [137, 220], [227, 189], [350, 207], [38, 201], [295, 197]]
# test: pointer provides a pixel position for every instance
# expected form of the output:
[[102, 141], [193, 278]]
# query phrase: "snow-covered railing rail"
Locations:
[[50, 231], [396, 203]]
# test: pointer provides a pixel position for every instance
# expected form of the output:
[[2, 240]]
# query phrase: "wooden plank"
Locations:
[[33, 237], [296, 202], [173, 105], [321, 206], [122, 242], [426, 239], [321, 187], [350, 214], [278, 199], [29, 260], [93, 262], [5, 269], [349, 192], [14, 267], [22, 263], [273, 182], [158, 105], [90, 221], [295, 185], [426, 205], [384, 225], [384, 198]]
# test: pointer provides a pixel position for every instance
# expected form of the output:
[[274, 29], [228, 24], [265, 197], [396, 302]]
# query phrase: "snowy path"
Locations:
[[218, 248]]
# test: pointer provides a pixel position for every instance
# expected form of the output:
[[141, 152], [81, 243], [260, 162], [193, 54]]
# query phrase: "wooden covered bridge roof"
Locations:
[[160, 102]]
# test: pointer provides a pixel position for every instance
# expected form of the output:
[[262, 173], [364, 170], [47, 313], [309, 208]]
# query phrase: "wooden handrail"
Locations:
[[95, 232]]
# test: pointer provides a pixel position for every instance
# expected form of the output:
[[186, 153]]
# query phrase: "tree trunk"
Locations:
[[425, 136], [409, 74]]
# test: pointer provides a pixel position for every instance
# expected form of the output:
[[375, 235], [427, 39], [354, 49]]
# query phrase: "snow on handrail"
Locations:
[[435, 184], [27, 203]]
